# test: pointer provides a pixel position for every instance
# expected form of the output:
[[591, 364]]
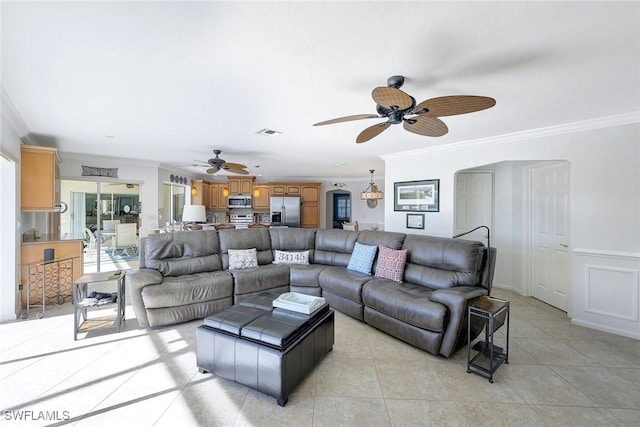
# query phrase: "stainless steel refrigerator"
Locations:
[[285, 211]]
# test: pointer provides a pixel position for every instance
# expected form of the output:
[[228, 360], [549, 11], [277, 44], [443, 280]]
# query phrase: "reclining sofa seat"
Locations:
[[342, 288], [303, 278], [180, 278], [251, 281], [428, 309]]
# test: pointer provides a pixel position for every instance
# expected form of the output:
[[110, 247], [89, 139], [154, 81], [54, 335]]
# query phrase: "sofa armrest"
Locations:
[[456, 300], [136, 281]]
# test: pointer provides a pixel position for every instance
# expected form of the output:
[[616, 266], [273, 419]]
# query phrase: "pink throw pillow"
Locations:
[[391, 263]]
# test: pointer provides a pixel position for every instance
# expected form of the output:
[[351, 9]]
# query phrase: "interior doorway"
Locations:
[[529, 221], [341, 209], [330, 207], [474, 204]]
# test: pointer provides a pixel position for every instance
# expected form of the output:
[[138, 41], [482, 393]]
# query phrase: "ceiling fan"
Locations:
[[217, 164], [422, 119]]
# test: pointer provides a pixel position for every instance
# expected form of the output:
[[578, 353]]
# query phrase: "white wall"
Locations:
[[365, 216], [12, 127], [604, 156]]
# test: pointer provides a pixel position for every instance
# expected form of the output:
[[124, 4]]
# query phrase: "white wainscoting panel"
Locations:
[[602, 282], [606, 293]]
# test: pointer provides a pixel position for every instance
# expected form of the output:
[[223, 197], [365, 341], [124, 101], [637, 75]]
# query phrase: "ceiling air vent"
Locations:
[[268, 132]]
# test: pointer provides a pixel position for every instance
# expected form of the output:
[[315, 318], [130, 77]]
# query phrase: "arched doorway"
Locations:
[[338, 208]]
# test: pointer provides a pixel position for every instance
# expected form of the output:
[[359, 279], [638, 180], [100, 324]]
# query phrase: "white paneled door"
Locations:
[[550, 233], [474, 204]]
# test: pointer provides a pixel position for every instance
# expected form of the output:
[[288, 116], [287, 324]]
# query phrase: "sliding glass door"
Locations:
[[173, 203], [106, 216]]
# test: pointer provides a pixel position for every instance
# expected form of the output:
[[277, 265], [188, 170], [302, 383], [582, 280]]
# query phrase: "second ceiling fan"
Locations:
[[421, 119], [217, 164]]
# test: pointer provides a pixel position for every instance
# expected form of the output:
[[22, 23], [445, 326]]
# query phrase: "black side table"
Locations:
[[489, 357]]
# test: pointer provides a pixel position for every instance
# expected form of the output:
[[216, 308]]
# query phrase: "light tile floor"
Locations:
[[559, 374]]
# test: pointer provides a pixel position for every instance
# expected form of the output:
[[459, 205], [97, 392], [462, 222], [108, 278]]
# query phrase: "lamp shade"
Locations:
[[372, 192], [194, 213]]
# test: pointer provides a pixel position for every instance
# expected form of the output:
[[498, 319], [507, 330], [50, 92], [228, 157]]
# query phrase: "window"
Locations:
[[344, 208]]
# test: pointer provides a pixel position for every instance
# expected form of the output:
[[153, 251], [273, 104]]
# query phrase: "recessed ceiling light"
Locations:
[[268, 132]]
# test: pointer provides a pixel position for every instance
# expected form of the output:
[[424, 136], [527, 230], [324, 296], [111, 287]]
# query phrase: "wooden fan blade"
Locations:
[[238, 171], [390, 97], [347, 119], [212, 171], [427, 126], [372, 132], [228, 165], [453, 105]]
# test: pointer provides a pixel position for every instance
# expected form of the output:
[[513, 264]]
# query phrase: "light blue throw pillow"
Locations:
[[362, 258]]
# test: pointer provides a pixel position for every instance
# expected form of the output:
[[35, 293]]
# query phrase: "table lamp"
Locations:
[[191, 214]]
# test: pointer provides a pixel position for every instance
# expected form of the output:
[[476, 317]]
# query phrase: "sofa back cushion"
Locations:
[[247, 238], [387, 239], [293, 240], [182, 252], [334, 247], [440, 262]]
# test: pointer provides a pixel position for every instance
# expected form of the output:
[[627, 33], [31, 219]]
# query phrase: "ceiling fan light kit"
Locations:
[[422, 119]]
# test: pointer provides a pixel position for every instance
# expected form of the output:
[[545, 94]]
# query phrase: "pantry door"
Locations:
[[550, 233]]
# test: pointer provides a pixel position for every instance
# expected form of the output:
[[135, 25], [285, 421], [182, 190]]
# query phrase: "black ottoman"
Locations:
[[271, 351]]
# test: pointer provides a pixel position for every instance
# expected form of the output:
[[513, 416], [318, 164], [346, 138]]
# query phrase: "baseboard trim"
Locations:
[[607, 329], [509, 288]]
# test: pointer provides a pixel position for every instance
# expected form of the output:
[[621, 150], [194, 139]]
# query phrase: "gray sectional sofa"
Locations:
[[185, 276]]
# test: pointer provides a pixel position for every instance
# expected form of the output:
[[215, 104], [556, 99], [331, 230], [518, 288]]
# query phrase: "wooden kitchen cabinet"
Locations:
[[200, 198], [205, 195], [241, 185], [222, 199], [285, 189], [40, 178], [310, 193], [310, 216], [261, 202], [310, 205], [214, 199]]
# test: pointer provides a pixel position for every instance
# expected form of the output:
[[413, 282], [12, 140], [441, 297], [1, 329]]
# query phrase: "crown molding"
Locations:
[[14, 119], [574, 127], [109, 160]]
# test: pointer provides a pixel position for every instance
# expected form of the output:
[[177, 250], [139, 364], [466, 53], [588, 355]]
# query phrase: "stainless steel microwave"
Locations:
[[239, 201]]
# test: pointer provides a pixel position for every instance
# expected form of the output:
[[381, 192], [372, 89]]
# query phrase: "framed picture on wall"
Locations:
[[415, 221], [417, 196]]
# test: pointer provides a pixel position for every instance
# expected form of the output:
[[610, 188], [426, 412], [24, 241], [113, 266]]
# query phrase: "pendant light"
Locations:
[[372, 194]]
